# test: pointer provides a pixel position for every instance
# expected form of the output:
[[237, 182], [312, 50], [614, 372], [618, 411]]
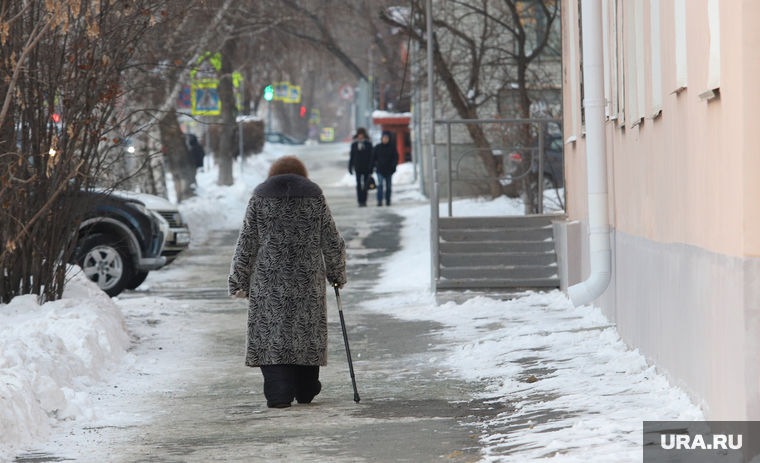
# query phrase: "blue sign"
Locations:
[[206, 100]]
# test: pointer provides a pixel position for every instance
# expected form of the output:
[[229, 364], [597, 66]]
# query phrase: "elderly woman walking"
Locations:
[[287, 248]]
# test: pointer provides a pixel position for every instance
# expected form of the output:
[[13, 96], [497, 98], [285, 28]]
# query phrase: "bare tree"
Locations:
[[477, 46], [61, 79]]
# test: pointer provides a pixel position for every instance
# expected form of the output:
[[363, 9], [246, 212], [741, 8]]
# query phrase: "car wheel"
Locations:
[[137, 280], [106, 262]]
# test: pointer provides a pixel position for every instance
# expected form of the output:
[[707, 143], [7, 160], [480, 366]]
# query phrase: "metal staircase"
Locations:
[[482, 253]]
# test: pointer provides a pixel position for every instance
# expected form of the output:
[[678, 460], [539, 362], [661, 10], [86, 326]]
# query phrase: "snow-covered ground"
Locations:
[[592, 393], [50, 355]]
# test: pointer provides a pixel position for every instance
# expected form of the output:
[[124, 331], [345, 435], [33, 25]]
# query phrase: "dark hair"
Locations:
[[361, 131], [288, 165]]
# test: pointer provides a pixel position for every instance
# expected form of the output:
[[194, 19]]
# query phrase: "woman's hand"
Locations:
[[240, 294]]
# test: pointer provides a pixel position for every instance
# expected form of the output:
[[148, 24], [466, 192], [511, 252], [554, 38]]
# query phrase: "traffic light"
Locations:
[[269, 93], [56, 118], [303, 111]]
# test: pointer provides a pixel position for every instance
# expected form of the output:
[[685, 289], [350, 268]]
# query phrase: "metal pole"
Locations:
[[371, 93], [415, 106], [434, 167], [540, 167], [450, 184], [269, 117], [240, 133]]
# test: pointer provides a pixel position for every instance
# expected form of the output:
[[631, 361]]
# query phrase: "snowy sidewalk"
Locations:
[[573, 390]]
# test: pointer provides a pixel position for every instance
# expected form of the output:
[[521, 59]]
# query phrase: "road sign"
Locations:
[[184, 99], [205, 100], [314, 117], [346, 92], [208, 66], [281, 90], [327, 134], [312, 132], [294, 94]]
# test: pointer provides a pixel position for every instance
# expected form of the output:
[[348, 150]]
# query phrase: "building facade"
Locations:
[[682, 87]]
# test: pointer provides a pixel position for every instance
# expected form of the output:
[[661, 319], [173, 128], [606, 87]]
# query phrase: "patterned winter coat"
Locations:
[[287, 248]]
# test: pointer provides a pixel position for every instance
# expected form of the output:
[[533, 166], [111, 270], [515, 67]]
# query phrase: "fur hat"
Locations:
[[361, 131]]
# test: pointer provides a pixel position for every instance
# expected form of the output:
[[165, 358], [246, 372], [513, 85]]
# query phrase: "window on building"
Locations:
[[713, 73], [680, 30], [631, 61], [656, 62], [572, 71]]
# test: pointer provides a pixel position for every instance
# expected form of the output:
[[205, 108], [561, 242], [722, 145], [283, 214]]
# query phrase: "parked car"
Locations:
[[178, 235], [119, 241], [283, 139]]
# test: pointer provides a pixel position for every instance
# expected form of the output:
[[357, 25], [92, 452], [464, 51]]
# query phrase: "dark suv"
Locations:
[[118, 240]]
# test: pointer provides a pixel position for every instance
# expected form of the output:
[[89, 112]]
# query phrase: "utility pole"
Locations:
[[434, 163], [371, 105], [419, 171]]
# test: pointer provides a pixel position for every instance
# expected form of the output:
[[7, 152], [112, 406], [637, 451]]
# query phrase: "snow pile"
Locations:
[[218, 207], [49, 355], [591, 392]]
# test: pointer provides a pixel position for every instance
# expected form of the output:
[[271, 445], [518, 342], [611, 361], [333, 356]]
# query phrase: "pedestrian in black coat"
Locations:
[[196, 150], [361, 162], [385, 159]]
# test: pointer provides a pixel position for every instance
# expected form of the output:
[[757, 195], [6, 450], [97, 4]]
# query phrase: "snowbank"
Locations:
[[49, 355], [223, 207], [592, 392]]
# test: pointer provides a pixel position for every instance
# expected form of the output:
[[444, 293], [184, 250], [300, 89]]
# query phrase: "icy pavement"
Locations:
[[572, 389]]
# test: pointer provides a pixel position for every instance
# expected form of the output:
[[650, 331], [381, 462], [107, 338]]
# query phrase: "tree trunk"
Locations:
[[467, 111], [227, 147], [181, 164]]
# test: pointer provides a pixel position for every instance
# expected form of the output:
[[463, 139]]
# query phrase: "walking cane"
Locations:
[[345, 339]]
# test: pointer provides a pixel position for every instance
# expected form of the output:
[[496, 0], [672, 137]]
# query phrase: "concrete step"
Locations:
[[510, 234], [527, 283], [481, 223], [500, 273], [496, 246], [495, 259]]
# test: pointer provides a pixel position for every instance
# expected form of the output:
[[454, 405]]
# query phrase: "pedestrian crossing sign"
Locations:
[[294, 94], [327, 134], [205, 100], [281, 91]]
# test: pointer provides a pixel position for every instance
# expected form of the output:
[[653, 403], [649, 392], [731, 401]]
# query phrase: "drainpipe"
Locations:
[[596, 158]]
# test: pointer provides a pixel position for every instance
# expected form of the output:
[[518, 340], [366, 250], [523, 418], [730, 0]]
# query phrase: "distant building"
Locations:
[[682, 84]]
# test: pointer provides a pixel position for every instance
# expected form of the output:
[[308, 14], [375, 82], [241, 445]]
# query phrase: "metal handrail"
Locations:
[[449, 122]]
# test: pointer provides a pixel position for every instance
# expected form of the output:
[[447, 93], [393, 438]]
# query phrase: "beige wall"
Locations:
[[679, 177], [684, 197]]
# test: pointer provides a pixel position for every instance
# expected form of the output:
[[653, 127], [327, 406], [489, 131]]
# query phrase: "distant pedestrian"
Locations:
[[361, 162], [196, 150], [385, 158], [288, 247]]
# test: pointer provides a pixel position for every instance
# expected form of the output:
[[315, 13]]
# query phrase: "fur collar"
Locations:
[[287, 186]]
